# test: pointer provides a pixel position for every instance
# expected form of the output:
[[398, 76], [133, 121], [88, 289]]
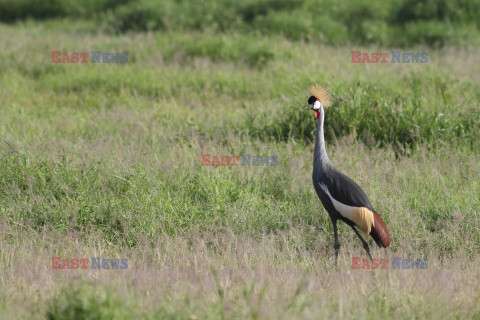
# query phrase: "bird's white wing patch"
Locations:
[[361, 216]]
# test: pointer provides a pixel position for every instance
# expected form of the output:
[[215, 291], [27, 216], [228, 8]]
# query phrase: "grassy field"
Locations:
[[104, 160]]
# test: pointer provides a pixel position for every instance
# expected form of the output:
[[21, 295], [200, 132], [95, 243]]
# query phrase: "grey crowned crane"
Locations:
[[341, 196]]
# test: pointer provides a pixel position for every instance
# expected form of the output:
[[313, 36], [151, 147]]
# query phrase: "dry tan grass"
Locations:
[[271, 278]]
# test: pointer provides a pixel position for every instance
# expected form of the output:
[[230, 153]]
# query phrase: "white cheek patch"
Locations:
[[317, 105], [361, 216]]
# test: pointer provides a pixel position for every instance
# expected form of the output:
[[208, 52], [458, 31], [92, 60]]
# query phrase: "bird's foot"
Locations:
[[337, 250], [367, 249]]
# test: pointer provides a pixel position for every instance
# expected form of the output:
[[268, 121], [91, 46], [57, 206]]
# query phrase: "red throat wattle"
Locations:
[[317, 114]]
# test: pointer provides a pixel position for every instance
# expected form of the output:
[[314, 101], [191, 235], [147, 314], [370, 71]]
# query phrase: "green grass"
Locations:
[[396, 22], [105, 160]]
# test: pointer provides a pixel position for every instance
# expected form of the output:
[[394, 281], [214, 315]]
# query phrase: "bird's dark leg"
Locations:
[[365, 244], [337, 243]]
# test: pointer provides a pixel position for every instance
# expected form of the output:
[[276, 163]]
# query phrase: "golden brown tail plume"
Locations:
[[379, 232]]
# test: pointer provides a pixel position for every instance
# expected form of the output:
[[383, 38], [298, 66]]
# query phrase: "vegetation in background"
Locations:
[[393, 23], [383, 119]]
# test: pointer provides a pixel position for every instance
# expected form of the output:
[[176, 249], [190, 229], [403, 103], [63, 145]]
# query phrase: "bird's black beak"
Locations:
[[307, 108]]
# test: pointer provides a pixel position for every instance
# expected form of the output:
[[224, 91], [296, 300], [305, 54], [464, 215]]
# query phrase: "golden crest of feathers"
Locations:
[[321, 93]]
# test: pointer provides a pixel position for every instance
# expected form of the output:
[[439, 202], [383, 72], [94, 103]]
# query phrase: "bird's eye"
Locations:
[[312, 100]]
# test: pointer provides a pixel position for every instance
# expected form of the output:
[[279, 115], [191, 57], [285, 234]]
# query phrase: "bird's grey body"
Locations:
[[340, 187]]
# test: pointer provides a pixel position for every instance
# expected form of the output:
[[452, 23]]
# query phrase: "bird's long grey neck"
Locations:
[[320, 157]]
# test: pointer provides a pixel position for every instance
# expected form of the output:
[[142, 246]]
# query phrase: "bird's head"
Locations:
[[320, 98]]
